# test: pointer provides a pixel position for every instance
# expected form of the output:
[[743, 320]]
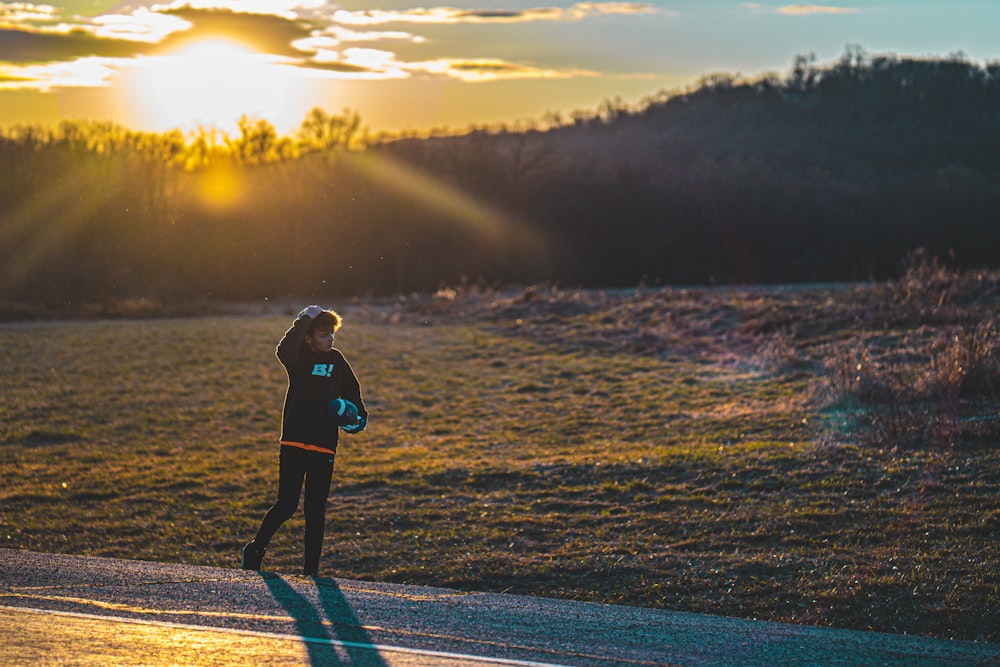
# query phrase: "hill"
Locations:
[[830, 173], [826, 174]]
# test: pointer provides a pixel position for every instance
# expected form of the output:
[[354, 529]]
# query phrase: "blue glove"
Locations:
[[356, 427], [343, 412]]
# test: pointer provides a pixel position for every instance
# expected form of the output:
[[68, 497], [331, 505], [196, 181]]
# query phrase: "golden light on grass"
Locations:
[[648, 449]]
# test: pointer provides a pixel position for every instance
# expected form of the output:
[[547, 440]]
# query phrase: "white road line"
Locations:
[[299, 638]]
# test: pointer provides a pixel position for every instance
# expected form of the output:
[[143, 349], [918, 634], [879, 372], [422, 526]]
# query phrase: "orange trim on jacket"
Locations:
[[311, 448]]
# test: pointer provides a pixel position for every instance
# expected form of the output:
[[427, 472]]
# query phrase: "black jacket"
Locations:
[[314, 379]]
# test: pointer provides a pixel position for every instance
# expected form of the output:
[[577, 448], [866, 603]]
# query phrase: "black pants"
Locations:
[[296, 465]]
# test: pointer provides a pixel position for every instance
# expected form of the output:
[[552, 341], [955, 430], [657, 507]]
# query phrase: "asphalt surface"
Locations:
[[72, 610]]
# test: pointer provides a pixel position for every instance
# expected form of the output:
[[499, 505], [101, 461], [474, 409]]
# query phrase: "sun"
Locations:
[[211, 83]]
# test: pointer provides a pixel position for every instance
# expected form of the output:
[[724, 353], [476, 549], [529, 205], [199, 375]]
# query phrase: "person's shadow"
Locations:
[[322, 640]]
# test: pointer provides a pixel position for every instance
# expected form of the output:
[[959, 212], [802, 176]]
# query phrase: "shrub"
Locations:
[[895, 401]]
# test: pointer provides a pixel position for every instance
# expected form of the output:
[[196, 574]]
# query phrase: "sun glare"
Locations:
[[212, 83]]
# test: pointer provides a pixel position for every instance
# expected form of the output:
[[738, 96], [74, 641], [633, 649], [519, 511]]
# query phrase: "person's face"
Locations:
[[320, 341]]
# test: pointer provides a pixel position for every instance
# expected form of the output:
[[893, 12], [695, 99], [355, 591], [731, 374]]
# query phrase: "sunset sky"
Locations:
[[411, 64]]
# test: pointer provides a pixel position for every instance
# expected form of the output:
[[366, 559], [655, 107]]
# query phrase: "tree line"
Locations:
[[825, 173]]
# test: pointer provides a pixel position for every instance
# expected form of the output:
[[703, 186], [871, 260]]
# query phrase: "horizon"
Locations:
[[204, 63]]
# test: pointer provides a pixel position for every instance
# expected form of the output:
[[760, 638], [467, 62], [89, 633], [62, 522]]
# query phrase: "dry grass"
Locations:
[[703, 450]]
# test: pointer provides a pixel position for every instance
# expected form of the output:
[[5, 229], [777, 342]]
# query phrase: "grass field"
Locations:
[[823, 456]]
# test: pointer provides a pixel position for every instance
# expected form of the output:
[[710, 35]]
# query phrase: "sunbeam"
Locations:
[[457, 207]]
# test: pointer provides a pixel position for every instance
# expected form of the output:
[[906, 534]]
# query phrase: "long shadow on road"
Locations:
[[322, 639]]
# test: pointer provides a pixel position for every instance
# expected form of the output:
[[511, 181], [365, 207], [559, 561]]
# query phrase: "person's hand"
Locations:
[[356, 427], [311, 312]]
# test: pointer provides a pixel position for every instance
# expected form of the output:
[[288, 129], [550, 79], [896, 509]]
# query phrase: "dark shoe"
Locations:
[[310, 571], [251, 556]]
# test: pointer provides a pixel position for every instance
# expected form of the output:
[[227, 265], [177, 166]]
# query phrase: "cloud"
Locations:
[[62, 44], [353, 63], [41, 50], [335, 35], [577, 12], [26, 12], [30, 32], [289, 9], [587, 9], [377, 64], [478, 70], [146, 32], [805, 10], [266, 33], [80, 73], [357, 63], [140, 26]]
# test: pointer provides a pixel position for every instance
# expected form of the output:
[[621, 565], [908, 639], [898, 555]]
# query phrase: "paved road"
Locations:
[[70, 610]]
